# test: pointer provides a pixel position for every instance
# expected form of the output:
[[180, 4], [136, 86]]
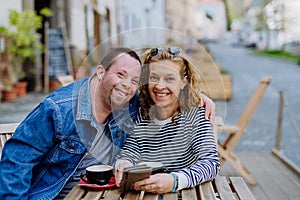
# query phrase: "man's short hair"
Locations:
[[109, 58]]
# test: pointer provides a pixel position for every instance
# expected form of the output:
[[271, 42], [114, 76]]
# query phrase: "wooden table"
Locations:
[[234, 188]]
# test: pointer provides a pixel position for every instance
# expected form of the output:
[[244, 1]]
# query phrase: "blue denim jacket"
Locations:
[[47, 148]]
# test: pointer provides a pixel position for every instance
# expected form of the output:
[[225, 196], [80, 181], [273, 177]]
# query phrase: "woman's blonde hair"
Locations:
[[189, 95]]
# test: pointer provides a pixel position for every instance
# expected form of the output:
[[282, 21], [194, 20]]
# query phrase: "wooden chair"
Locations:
[[65, 80], [6, 131], [235, 131]]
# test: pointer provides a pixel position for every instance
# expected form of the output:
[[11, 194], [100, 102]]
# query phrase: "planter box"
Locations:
[[215, 83], [9, 95], [218, 88], [21, 88]]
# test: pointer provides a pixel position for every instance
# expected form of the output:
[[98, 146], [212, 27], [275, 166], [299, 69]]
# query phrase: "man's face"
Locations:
[[120, 81]]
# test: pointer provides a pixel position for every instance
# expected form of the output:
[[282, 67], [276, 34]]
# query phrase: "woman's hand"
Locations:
[[209, 108], [158, 183], [119, 170]]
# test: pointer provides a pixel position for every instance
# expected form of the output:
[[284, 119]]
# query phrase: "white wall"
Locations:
[[137, 20], [5, 6], [292, 24], [188, 17], [78, 33], [211, 29], [77, 26]]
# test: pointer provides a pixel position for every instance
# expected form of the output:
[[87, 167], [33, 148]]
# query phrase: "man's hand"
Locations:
[[159, 183], [119, 170], [210, 108]]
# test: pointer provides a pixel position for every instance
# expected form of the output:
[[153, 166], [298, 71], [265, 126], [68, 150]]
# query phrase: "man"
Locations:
[[79, 125]]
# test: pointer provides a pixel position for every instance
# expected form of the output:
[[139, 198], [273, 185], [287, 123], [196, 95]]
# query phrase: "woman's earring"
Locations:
[[100, 77]]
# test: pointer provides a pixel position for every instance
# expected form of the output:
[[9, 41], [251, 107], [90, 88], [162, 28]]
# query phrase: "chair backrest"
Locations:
[[65, 80], [6, 131], [253, 103], [218, 126]]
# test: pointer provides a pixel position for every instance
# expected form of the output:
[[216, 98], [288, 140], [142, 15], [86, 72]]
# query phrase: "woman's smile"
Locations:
[[161, 94]]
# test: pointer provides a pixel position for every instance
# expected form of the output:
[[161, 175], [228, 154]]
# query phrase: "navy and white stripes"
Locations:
[[185, 145]]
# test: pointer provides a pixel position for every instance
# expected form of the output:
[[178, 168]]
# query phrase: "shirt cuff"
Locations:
[[182, 181]]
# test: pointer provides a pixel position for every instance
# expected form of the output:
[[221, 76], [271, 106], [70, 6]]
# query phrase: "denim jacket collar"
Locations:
[[84, 111]]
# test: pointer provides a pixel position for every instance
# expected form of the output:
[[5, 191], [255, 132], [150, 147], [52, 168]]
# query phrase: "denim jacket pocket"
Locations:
[[72, 146], [60, 162], [68, 153]]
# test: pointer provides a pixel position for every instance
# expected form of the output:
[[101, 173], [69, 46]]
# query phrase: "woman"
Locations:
[[171, 128]]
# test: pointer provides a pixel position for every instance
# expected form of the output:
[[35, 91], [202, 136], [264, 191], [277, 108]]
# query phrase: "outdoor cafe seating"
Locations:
[[235, 131], [219, 188]]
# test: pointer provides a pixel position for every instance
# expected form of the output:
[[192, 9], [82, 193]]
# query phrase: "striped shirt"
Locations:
[[185, 145]]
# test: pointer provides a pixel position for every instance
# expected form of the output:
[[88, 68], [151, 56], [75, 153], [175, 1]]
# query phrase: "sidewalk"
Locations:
[[18, 110]]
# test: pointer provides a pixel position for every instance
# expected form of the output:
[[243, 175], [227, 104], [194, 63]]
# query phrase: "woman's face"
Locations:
[[165, 84]]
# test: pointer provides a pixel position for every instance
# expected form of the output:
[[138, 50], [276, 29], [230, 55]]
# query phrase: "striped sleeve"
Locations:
[[204, 147], [130, 150]]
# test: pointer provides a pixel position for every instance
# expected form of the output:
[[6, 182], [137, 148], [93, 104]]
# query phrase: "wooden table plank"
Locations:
[[150, 196], [112, 194], [93, 194], [75, 194], [189, 194], [223, 188], [132, 195], [241, 188], [206, 191], [170, 196]]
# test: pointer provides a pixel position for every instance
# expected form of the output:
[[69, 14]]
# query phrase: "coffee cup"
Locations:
[[99, 174]]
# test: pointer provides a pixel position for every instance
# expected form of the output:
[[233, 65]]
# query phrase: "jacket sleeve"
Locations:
[[31, 141]]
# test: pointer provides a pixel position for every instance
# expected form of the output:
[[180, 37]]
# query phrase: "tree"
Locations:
[[228, 18], [270, 18]]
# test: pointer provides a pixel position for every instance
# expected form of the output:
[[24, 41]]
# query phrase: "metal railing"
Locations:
[[277, 151]]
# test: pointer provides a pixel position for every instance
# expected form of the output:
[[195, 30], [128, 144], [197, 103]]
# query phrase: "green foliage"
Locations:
[[22, 30], [23, 39], [279, 54], [224, 71], [46, 12]]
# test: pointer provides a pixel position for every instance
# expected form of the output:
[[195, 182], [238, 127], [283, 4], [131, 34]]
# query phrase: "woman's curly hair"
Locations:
[[189, 95]]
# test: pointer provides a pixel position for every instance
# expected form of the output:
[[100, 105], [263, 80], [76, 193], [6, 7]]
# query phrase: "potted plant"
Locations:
[[25, 41], [7, 77], [8, 91]]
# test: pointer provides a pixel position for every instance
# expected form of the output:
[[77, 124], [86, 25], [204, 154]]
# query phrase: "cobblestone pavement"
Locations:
[[247, 70], [17, 111]]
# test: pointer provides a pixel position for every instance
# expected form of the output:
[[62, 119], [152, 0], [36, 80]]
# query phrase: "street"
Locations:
[[247, 70]]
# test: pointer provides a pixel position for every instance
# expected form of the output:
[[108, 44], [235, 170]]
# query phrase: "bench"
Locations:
[[65, 80], [6, 131]]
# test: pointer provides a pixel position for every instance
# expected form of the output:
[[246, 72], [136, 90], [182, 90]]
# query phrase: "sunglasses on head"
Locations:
[[175, 51]]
